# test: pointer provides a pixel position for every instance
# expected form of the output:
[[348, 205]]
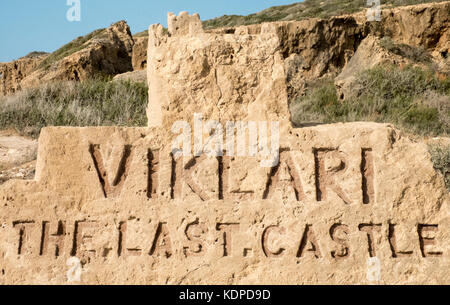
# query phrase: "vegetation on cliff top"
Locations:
[[300, 11], [303, 10], [35, 54]]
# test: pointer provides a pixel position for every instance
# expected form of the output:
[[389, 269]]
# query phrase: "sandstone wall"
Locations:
[[106, 55], [225, 77], [115, 199]]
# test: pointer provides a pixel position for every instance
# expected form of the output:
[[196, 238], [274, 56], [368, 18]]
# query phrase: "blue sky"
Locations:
[[41, 25]]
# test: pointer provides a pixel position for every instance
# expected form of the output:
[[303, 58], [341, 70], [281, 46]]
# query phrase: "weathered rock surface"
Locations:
[[108, 53], [310, 48], [184, 24], [139, 55], [424, 25], [12, 73], [314, 48], [134, 76]]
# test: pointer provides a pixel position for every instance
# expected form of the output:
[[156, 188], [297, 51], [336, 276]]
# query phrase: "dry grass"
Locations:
[[299, 11], [411, 98], [89, 103]]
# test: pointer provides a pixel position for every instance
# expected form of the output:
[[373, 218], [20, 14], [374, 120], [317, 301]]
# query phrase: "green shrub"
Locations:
[[319, 105], [440, 155], [90, 103], [410, 98]]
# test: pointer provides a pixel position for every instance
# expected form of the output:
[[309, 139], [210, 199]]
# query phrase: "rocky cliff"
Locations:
[[245, 65], [103, 52], [310, 48], [12, 73], [108, 53]]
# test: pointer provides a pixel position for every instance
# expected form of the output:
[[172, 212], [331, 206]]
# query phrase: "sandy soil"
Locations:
[[17, 156]]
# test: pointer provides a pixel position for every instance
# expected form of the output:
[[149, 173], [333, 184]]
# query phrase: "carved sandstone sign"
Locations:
[[346, 203], [118, 200]]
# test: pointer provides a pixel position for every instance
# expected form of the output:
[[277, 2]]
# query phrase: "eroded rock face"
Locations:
[[302, 51], [424, 25], [184, 24], [12, 73], [368, 55], [139, 55], [108, 54], [315, 48], [343, 197], [134, 76]]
